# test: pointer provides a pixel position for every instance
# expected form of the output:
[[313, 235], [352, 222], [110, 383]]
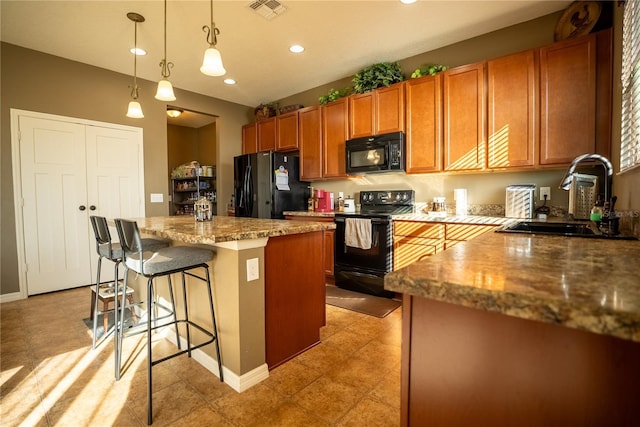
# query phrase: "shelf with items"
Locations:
[[186, 191]]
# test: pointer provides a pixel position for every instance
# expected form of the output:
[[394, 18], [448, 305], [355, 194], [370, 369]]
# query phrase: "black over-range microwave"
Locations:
[[380, 153]]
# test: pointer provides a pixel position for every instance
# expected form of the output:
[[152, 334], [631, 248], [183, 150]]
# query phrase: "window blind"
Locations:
[[630, 136]]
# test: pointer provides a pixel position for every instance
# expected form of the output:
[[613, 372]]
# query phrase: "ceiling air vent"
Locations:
[[268, 9]]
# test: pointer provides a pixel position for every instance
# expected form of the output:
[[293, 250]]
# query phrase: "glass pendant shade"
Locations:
[[165, 91], [135, 110], [212, 63]]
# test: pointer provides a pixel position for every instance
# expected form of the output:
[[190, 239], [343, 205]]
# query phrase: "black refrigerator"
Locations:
[[267, 184]]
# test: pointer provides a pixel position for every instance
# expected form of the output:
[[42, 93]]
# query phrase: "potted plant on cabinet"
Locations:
[[377, 75]]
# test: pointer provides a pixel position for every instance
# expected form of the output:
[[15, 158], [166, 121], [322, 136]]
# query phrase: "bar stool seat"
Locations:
[[164, 262], [105, 292]]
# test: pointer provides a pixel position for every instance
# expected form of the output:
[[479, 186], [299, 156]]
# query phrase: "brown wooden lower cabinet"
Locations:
[[294, 295], [328, 244], [468, 367], [416, 240]]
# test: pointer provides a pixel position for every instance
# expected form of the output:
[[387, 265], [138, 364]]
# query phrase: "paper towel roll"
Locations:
[[460, 196]]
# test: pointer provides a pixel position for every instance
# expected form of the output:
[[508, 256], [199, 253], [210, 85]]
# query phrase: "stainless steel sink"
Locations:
[[570, 229]]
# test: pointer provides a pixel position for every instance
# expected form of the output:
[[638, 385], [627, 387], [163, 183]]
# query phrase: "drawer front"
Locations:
[[407, 253], [418, 229], [466, 231]]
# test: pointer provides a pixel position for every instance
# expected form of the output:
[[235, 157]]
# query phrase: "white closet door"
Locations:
[[114, 171], [54, 192]]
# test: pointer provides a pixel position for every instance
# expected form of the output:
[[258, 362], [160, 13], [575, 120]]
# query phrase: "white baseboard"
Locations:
[[237, 382], [15, 296]]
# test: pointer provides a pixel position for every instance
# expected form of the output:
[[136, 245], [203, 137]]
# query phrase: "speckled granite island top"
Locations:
[[587, 284], [224, 228]]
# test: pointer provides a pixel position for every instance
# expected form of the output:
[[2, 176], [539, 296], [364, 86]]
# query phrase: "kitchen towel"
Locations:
[[357, 233]]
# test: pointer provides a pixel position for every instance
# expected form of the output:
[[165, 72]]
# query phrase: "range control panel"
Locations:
[[390, 198]]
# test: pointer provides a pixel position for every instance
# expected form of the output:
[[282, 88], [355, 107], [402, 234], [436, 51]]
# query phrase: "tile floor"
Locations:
[[49, 376]]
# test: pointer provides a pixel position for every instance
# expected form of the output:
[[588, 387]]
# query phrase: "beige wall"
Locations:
[[34, 81]]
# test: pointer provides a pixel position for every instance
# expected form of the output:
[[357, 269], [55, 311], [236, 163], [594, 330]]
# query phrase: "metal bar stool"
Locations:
[[106, 292], [164, 262]]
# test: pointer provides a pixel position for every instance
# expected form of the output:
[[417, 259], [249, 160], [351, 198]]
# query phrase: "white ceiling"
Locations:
[[340, 37]]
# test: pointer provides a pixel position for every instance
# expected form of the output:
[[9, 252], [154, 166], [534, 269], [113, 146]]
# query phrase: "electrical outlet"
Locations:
[[253, 269], [545, 191]]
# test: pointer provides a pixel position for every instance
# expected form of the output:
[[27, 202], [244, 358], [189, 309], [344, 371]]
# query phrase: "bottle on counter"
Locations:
[[597, 212], [311, 201], [340, 202]]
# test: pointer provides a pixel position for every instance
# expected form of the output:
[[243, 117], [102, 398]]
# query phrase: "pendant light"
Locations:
[[135, 110], [165, 90], [212, 62]]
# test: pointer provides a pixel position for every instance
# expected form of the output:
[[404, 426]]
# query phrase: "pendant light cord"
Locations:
[[212, 32], [166, 66], [134, 91]]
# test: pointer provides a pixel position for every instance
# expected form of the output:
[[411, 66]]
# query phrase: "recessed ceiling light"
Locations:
[[296, 48], [138, 51], [407, 1], [230, 81]]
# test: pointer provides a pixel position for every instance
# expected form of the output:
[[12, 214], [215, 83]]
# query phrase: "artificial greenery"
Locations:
[[377, 75], [428, 70], [333, 95]]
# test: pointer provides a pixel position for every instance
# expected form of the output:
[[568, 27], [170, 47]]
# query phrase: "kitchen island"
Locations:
[[267, 279], [517, 329]]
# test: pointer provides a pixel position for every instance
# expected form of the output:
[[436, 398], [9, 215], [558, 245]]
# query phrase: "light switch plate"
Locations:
[[253, 269], [157, 198]]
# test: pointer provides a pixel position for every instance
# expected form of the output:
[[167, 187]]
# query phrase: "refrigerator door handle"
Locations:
[[249, 190]]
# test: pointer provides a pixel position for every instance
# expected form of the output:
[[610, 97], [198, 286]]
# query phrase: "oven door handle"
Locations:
[[373, 220]]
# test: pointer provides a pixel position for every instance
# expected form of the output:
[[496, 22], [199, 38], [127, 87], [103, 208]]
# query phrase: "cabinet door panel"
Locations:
[[568, 100], [287, 132], [249, 139], [464, 118], [310, 137], [335, 131], [424, 124], [267, 134], [361, 115], [513, 114], [389, 109]]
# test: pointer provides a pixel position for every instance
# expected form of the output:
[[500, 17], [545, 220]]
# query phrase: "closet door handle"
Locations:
[[92, 208], [82, 207]]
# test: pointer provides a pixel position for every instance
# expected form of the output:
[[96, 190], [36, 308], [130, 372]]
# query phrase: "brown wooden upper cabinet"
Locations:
[[567, 100], [464, 117], [512, 87], [267, 134], [249, 138], [287, 131], [335, 132], [424, 124], [310, 141], [377, 112]]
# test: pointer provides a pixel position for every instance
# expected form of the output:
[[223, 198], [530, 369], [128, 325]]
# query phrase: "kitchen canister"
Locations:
[[202, 209], [349, 205]]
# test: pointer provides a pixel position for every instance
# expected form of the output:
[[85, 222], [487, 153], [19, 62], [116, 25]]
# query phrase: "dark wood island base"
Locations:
[[467, 367]]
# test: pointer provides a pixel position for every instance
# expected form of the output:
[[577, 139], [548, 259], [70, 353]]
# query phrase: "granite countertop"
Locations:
[[310, 213], [224, 228], [587, 284], [452, 219], [424, 217]]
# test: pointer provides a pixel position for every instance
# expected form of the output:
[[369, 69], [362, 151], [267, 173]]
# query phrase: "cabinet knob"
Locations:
[[92, 208], [82, 207]]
